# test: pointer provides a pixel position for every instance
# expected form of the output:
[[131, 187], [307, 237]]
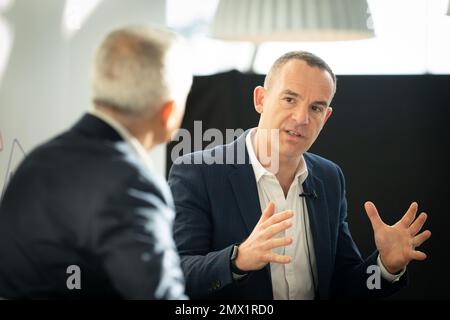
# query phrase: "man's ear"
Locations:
[[166, 112], [258, 98], [328, 114]]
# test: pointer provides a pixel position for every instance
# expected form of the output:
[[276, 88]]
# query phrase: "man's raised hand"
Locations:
[[256, 251], [397, 243]]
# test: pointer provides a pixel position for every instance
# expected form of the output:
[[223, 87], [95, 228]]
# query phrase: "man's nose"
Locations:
[[301, 115]]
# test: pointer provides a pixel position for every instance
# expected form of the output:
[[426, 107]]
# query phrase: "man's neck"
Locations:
[[134, 126], [287, 167], [286, 173]]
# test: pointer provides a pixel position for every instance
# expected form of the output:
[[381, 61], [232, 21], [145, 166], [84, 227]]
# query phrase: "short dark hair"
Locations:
[[311, 59]]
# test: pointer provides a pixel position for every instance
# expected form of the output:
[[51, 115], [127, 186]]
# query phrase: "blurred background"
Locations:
[[388, 132]]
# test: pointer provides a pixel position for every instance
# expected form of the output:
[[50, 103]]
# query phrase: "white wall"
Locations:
[[45, 86]]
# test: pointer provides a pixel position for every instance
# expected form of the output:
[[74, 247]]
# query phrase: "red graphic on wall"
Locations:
[[16, 154]]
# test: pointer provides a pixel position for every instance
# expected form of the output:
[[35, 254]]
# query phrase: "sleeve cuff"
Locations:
[[386, 274], [237, 277]]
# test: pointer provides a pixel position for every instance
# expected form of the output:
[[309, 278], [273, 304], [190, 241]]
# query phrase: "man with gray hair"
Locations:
[[84, 216]]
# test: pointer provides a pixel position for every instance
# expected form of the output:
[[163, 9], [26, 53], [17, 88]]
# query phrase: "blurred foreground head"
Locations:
[[141, 76]]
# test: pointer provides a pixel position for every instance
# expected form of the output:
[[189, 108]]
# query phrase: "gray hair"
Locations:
[[311, 59], [132, 72]]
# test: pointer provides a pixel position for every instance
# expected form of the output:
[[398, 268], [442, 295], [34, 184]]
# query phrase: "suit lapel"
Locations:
[[245, 191], [320, 228], [242, 179], [243, 184]]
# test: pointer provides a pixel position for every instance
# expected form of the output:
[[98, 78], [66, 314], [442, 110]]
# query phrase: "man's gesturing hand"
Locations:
[[256, 251], [397, 243]]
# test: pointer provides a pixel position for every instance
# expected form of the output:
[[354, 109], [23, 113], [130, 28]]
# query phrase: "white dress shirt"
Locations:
[[295, 280]]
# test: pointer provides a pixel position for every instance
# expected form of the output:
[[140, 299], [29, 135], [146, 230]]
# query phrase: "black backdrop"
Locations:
[[390, 136]]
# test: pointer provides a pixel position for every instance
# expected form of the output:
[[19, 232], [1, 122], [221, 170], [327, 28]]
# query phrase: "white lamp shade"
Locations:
[[292, 20]]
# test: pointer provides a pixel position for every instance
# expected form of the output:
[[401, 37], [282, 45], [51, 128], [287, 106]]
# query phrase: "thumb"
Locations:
[[268, 212], [373, 215]]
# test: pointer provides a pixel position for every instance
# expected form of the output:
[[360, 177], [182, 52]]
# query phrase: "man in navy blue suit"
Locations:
[[261, 218], [85, 215]]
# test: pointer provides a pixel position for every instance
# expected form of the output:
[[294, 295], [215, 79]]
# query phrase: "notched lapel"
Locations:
[[320, 228], [243, 182]]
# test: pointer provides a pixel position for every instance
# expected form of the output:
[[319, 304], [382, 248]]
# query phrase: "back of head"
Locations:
[[136, 69]]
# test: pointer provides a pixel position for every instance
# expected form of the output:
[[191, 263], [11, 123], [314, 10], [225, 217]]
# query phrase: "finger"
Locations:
[[278, 242], [277, 258], [418, 255], [418, 224], [421, 238], [409, 216], [277, 217], [373, 215], [277, 228], [268, 212]]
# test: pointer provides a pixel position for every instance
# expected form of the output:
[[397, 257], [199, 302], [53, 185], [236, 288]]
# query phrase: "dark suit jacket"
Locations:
[[85, 198], [217, 206]]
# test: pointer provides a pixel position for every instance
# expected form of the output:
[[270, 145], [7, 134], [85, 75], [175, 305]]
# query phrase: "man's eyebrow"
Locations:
[[291, 93], [323, 103], [298, 95]]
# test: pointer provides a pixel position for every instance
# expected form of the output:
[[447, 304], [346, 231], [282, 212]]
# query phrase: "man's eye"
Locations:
[[289, 100], [317, 109]]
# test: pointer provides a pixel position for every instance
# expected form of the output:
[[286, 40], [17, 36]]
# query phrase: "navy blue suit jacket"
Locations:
[[84, 198], [217, 206]]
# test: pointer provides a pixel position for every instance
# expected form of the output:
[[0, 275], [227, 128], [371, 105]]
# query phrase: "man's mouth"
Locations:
[[294, 133]]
